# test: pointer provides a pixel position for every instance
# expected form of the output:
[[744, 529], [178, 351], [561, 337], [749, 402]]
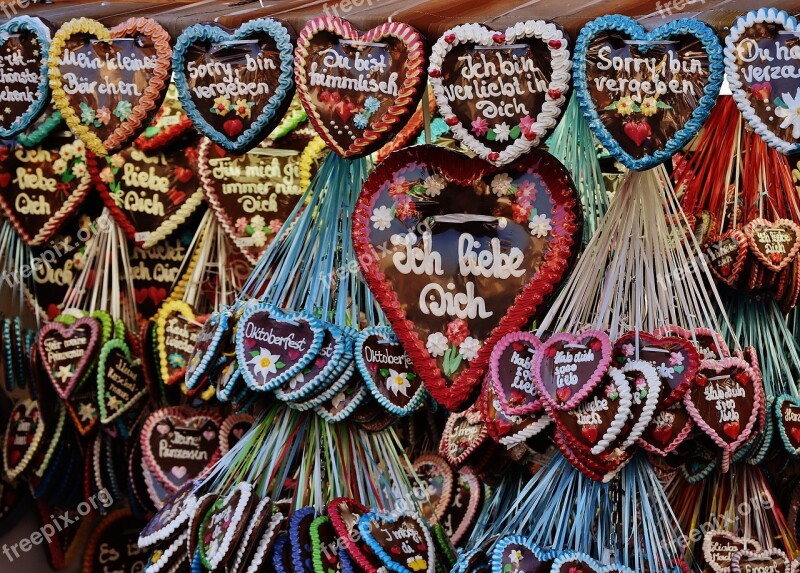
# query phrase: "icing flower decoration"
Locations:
[[397, 382], [78, 147], [626, 106], [526, 125], [242, 108], [371, 104], [434, 185], [221, 106], [790, 113], [241, 225], [382, 218], [480, 127], [123, 110], [175, 360], [628, 349], [515, 556], [641, 387], [258, 222], [611, 392], [67, 151], [275, 225], [540, 225], [405, 210], [104, 115], [502, 131], [520, 213], [59, 166], [457, 331], [118, 161], [88, 115], [675, 358], [264, 362], [106, 175], [77, 260], [259, 238], [469, 348], [436, 344], [649, 106], [79, 169], [360, 121], [502, 184]]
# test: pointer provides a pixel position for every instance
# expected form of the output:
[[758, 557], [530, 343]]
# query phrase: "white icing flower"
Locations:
[[258, 222], [501, 184], [436, 344], [791, 113], [382, 218], [59, 166], [79, 169], [397, 382], [502, 131], [67, 151], [434, 185], [78, 147], [259, 238], [469, 348], [540, 225], [264, 362]]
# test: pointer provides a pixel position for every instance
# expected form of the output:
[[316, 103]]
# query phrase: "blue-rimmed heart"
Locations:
[[388, 371], [300, 539], [235, 85], [401, 540], [24, 46], [787, 413], [207, 346], [521, 555], [336, 382], [323, 369], [272, 347], [576, 562], [646, 94]]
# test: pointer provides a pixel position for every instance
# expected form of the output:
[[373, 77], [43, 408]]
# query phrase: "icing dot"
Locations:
[[768, 108]]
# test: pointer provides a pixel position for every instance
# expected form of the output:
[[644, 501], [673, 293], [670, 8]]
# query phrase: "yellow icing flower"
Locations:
[[649, 106], [625, 105], [221, 105], [242, 108]]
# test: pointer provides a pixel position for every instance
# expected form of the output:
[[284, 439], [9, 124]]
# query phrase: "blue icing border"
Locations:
[[326, 375], [223, 316], [629, 27], [284, 90], [294, 537]]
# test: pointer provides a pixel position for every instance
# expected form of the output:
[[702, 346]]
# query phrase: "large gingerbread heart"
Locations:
[[40, 187], [646, 94], [719, 546], [358, 89], [501, 92], [762, 64], [148, 194], [458, 253], [108, 83], [68, 351], [774, 243], [24, 45], [235, 85]]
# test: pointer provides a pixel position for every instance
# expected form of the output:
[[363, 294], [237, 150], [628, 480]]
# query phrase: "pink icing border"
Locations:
[[494, 370], [65, 391]]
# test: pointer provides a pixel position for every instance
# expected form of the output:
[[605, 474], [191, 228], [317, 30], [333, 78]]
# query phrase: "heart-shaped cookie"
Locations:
[[725, 400], [667, 430], [774, 243], [155, 269], [568, 367], [501, 92], [108, 83], [42, 186], [511, 371], [358, 89], [506, 429], [464, 432], [726, 256], [208, 345], [428, 230], [596, 422], [68, 351], [401, 540], [176, 332], [253, 195], [233, 428], [387, 371], [646, 94], [762, 64], [24, 46], [178, 444], [113, 544], [272, 346], [120, 381], [223, 523], [720, 545], [772, 560], [168, 521], [345, 514], [437, 481], [462, 513], [324, 542], [787, 414], [516, 553], [235, 85], [645, 385], [22, 437], [300, 547]]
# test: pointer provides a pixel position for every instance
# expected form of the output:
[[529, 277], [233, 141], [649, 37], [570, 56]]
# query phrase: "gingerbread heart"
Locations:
[[667, 430], [576, 562], [401, 540], [235, 85], [720, 545], [437, 481], [568, 367], [223, 523], [428, 230], [208, 345], [387, 371], [22, 437], [120, 380], [787, 414], [358, 89], [501, 92], [725, 400], [646, 94], [232, 430], [113, 544], [511, 371], [464, 432], [345, 515], [179, 444], [645, 385], [156, 268], [24, 45], [462, 513], [168, 521], [255, 194], [773, 560], [67, 352], [176, 332], [774, 243], [108, 83], [726, 256], [516, 553], [762, 64], [508, 430]]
